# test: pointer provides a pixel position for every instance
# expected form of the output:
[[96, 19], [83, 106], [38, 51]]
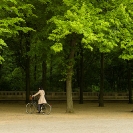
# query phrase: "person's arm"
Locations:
[[36, 94]]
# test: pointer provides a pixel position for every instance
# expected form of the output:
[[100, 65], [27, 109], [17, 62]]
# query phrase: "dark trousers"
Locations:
[[39, 107]]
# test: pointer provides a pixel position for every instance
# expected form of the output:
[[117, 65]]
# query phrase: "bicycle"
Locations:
[[32, 106]]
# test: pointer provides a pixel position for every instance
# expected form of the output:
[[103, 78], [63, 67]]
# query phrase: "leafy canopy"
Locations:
[[12, 19], [81, 17]]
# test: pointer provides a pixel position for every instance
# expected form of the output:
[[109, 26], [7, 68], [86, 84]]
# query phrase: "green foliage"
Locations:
[[13, 81], [99, 25], [17, 80], [13, 14], [84, 19], [2, 43], [57, 47], [45, 1], [1, 59], [95, 88], [122, 23]]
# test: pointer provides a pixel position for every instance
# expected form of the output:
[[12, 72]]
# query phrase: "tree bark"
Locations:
[[81, 75], [0, 71], [35, 68], [129, 82], [1, 75], [1, 52], [69, 78], [44, 70], [101, 101], [27, 70], [51, 72]]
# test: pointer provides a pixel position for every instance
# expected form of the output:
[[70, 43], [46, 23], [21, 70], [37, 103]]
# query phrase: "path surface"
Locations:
[[88, 118]]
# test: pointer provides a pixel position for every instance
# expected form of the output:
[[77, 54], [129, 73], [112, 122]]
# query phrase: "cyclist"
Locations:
[[41, 99]]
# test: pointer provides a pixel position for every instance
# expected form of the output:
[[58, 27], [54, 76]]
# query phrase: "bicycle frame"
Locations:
[[45, 108]]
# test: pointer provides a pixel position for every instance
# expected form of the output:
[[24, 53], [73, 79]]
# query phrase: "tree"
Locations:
[[125, 14], [12, 19], [13, 15], [82, 18]]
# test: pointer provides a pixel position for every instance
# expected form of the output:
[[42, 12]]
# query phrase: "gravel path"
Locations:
[[87, 118]]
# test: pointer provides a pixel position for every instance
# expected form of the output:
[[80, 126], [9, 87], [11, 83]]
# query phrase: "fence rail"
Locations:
[[21, 95]]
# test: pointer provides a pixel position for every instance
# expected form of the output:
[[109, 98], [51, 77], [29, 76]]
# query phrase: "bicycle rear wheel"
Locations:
[[46, 109], [30, 108]]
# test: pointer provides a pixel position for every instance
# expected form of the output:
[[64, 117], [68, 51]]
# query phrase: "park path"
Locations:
[[87, 118]]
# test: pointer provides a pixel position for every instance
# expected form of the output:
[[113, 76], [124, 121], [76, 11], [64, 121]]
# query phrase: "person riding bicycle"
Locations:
[[41, 99]]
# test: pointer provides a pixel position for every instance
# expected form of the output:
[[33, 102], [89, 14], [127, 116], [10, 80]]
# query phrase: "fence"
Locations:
[[21, 95]]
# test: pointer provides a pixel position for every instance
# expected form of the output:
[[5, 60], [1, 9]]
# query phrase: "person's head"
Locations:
[[40, 88]]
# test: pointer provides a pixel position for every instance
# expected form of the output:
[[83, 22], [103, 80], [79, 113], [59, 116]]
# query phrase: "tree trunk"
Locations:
[[0, 71], [81, 75], [129, 82], [27, 70], [51, 72], [35, 70], [44, 69], [101, 102], [78, 70], [1, 52], [69, 79], [1, 75]]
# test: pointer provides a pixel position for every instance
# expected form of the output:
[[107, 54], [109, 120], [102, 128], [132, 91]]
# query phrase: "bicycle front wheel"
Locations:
[[30, 108], [46, 109]]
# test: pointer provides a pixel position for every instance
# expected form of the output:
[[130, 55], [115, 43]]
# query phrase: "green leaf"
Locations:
[[57, 47]]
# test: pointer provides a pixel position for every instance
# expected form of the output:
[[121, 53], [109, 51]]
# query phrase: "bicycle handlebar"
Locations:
[[31, 98]]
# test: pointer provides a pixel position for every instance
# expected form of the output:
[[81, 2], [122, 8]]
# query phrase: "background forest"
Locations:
[[66, 45]]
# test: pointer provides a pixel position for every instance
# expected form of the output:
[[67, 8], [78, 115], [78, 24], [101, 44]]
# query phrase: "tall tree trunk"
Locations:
[[81, 75], [0, 71], [1, 74], [101, 102], [44, 69], [27, 70], [129, 81], [1, 52], [35, 70], [78, 70], [51, 71], [69, 78]]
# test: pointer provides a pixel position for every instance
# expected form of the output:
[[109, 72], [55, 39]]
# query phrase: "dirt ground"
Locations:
[[87, 118]]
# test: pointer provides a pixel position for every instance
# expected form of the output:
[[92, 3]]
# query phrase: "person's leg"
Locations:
[[39, 108]]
